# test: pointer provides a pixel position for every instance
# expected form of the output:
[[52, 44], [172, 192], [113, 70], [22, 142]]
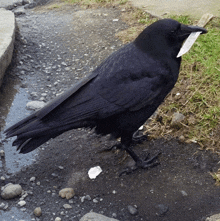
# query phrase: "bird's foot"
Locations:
[[146, 163], [139, 139]]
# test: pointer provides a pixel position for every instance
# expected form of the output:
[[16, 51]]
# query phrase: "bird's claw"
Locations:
[[139, 139], [148, 162]]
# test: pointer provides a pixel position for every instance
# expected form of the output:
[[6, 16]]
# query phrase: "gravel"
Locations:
[[11, 191]]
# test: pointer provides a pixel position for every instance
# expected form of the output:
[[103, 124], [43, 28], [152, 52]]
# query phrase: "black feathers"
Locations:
[[117, 97]]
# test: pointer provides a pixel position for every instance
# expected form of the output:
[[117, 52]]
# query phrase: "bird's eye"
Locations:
[[175, 30]]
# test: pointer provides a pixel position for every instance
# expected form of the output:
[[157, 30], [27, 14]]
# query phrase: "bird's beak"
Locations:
[[192, 28], [193, 32], [185, 30]]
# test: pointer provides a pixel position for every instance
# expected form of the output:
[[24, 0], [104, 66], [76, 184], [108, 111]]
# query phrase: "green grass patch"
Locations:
[[95, 2], [198, 85], [201, 94]]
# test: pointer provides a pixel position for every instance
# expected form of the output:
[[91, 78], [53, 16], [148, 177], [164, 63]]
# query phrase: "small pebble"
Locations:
[[132, 210], [21, 203], [162, 209], [32, 179], [35, 105], [3, 206], [38, 211], [177, 118], [57, 219], [62, 213], [10, 191], [95, 201], [184, 193], [67, 206], [67, 193], [181, 138], [114, 215], [87, 197], [2, 153]]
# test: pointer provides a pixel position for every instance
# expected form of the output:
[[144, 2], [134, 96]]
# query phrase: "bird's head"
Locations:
[[165, 36]]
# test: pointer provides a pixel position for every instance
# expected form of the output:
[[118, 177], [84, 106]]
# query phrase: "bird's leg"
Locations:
[[137, 138], [146, 163]]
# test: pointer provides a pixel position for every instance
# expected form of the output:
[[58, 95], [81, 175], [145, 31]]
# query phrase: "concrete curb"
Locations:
[[7, 37], [194, 9]]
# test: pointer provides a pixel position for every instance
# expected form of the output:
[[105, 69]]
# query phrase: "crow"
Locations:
[[118, 96]]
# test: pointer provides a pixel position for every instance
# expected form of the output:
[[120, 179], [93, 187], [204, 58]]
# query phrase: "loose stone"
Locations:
[[34, 105], [132, 210], [177, 118], [21, 203], [2, 153], [97, 217], [162, 209], [95, 201], [67, 193], [32, 179], [3, 206], [10, 191], [184, 193], [67, 206], [38, 211]]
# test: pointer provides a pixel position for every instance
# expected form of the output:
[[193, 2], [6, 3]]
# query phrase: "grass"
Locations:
[[198, 85], [54, 6], [95, 2], [197, 92]]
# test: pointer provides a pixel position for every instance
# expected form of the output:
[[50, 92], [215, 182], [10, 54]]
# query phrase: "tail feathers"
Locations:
[[32, 134], [11, 131], [29, 144]]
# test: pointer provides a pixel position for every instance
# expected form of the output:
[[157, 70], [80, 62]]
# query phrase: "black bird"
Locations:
[[118, 96]]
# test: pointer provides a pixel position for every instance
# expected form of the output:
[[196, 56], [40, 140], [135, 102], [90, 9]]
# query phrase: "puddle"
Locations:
[[10, 215], [13, 103]]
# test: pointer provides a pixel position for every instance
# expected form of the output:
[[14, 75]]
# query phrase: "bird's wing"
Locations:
[[134, 91], [60, 99]]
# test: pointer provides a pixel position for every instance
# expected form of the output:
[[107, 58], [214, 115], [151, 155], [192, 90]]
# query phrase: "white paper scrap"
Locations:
[[94, 172], [188, 43]]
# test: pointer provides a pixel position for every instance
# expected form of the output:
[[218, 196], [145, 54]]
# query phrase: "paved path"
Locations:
[[195, 8], [5, 3]]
